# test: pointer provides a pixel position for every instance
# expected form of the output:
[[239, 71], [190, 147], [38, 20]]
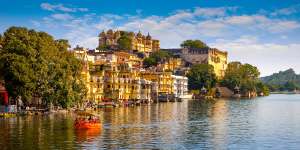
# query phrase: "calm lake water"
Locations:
[[264, 123]]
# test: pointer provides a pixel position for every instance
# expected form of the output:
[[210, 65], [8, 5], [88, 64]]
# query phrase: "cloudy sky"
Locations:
[[265, 33]]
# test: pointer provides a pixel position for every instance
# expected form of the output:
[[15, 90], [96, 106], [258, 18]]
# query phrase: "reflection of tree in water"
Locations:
[[197, 129], [38, 132], [198, 109], [214, 124]]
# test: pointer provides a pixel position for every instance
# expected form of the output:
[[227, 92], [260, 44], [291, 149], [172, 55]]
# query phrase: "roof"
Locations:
[[179, 50], [173, 50]]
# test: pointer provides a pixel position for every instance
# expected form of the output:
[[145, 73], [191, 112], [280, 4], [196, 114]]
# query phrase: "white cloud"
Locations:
[[245, 20], [287, 11], [213, 12], [173, 29], [35, 23], [83, 9], [61, 7], [62, 16], [216, 26], [282, 26]]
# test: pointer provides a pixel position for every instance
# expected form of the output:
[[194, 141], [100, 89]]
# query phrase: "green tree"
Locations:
[[36, 65], [156, 58], [1, 39], [1, 65], [290, 86], [232, 76], [201, 75], [193, 44], [262, 88], [245, 76], [124, 42], [148, 62]]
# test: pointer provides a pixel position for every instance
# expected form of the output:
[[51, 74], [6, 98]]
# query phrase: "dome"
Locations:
[[139, 34], [102, 34], [110, 31], [117, 34], [148, 37]]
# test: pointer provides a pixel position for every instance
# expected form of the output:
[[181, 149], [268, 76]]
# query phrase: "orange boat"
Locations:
[[82, 124]]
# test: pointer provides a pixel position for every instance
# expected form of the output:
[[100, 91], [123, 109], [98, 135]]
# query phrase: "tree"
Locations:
[[150, 61], [1, 65], [245, 76], [124, 42], [290, 86], [1, 39], [262, 88], [156, 58], [201, 75], [232, 76], [193, 44], [36, 65]]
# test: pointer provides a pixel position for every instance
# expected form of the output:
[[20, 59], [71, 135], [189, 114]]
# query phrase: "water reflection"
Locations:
[[222, 124], [87, 135]]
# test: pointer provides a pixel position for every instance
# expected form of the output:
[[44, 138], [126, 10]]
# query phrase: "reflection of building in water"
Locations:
[[139, 126], [219, 114], [37, 132]]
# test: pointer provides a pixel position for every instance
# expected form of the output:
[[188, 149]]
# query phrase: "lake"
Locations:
[[271, 122]]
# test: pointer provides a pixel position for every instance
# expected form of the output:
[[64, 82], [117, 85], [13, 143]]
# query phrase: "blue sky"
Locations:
[[265, 33]]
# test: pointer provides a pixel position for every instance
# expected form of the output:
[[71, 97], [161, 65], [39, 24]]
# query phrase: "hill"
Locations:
[[283, 80]]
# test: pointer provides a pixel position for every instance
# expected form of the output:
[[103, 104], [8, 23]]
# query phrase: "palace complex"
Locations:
[[138, 42], [119, 75], [114, 73]]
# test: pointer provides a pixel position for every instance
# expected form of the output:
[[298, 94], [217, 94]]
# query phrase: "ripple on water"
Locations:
[[265, 123]]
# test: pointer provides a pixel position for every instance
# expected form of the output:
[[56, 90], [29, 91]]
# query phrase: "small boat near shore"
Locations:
[[7, 115], [186, 96], [87, 120], [107, 104], [87, 124]]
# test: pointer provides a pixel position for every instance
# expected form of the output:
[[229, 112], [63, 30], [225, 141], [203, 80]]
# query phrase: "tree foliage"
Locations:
[[244, 76], [262, 88], [1, 39], [201, 75], [124, 42], [193, 44], [36, 65], [156, 58]]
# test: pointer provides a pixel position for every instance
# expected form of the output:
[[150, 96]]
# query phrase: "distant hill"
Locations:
[[283, 79]]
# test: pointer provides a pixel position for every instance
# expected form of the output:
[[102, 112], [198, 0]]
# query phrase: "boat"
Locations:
[[86, 120], [107, 102], [87, 124], [165, 97], [186, 96], [7, 115]]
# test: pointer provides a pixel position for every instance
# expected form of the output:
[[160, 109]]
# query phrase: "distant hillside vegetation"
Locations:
[[282, 81]]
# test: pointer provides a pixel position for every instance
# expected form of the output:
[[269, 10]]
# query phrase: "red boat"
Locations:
[[91, 124]]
